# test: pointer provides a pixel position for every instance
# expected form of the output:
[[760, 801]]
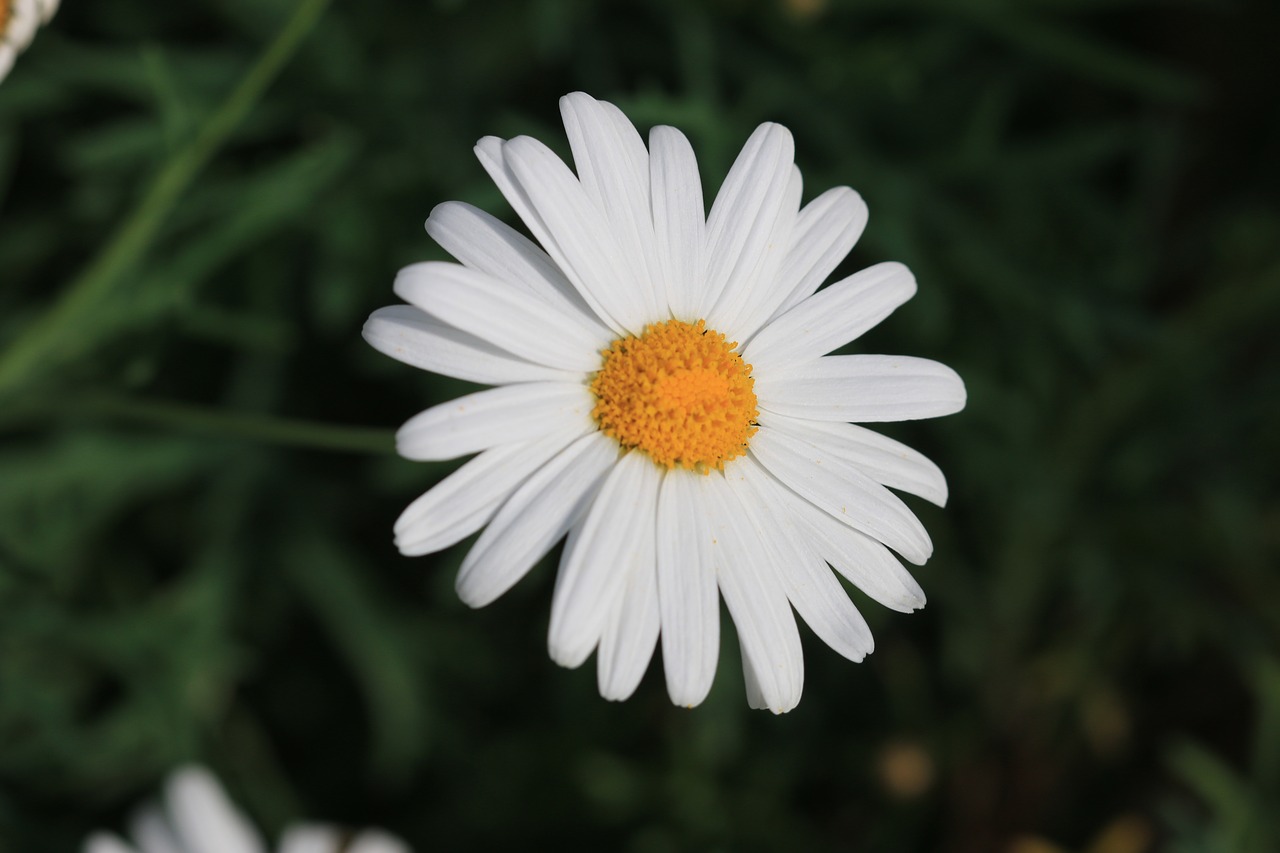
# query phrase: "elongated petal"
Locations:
[[826, 229], [99, 842], [745, 212], [679, 219], [505, 316], [504, 415], [745, 305], [840, 489], [205, 817], [153, 834], [810, 585], [749, 579], [408, 334], [613, 167], [831, 318], [584, 245], [467, 499], [534, 518], [312, 838], [617, 532], [630, 635], [863, 388], [687, 557], [888, 462], [864, 562], [376, 841], [487, 245]]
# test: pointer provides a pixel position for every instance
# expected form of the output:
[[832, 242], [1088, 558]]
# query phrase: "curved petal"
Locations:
[[888, 462], [503, 415], [631, 633], [745, 212], [613, 167], [376, 841], [488, 245], [99, 842], [831, 318], [745, 306], [679, 219], [204, 816], [467, 499], [534, 518], [152, 832], [864, 388], [813, 590], [840, 489], [826, 230], [688, 555], [583, 244], [749, 579], [312, 838], [408, 334], [616, 533], [505, 316]]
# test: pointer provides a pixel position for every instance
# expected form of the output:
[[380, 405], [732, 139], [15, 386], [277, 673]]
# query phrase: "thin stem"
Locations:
[[255, 427], [45, 342]]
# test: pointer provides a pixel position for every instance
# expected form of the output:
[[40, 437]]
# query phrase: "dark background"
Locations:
[[197, 482]]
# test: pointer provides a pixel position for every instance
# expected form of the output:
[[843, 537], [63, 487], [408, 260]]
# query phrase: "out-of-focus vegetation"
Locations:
[[199, 204]]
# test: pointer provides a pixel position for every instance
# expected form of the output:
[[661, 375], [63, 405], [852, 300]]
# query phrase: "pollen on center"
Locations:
[[680, 393]]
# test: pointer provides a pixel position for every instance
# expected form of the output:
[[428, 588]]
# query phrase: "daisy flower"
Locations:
[[198, 817], [18, 22], [664, 396]]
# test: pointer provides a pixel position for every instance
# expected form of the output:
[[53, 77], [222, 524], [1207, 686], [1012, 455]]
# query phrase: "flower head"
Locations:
[[665, 398], [198, 817], [18, 22]]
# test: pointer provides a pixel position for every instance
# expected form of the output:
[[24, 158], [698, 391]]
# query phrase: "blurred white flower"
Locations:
[[666, 398], [198, 817], [18, 22]]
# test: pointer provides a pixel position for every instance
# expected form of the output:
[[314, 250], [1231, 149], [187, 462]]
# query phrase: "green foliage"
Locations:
[[200, 203]]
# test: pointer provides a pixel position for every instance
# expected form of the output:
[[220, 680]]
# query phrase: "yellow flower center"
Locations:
[[4, 16], [678, 392]]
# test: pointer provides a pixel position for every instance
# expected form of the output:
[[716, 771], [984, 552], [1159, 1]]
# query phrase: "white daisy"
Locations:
[[18, 22], [664, 397], [198, 817]]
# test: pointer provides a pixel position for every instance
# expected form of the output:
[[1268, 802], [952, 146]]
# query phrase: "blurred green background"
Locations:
[[201, 202]]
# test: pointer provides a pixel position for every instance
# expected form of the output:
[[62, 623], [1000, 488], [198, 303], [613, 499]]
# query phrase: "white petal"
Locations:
[[745, 211], [840, 489], [311, 838], [631, 633], [488, 245], [679, 219], [152, 833], [593, 572], [863, 388], [504, 415], [831, 318], [826, 229], [205, 818], [47, 9], [582, 242], [747, 303], [755, 696], [491, 152], [377, 841], [865, 563], [503, 315], [613, 167], [690, 608], [24, 17], [813, 590], [102, 842], [407, 334], [749, 578], [888, 462], [7, 56], [534, 518], [467, 499]]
